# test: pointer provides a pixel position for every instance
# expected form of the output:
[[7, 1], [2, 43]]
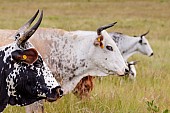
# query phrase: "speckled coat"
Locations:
[[22, 83]]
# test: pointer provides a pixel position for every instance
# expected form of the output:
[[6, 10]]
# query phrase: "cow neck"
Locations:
[[3, 90], [129, 51]]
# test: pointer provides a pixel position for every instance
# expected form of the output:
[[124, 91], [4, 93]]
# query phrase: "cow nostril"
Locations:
[[126, 70], [132, 74], [55, 94], [151, 54], [60, 92]]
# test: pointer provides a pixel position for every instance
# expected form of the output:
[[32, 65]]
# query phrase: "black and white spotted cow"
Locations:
[[24, 77]]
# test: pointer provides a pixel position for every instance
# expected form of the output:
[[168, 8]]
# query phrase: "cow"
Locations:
[[24, 76], [72, 56], [128, 46], [132, 69]]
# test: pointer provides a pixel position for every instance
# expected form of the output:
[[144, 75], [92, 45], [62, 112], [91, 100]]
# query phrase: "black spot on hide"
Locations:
[[7, 48]]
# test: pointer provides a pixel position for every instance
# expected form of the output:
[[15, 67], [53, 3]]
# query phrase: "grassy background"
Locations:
[[134, 17]]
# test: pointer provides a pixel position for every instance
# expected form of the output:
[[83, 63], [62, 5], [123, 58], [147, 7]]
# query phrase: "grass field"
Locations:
[[134, 17]]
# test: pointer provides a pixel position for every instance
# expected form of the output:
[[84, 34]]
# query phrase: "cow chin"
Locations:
[[54, 94]]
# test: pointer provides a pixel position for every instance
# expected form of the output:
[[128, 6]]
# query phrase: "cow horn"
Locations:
[[26, 35], [145, 33], [104, 27], [26, 25]]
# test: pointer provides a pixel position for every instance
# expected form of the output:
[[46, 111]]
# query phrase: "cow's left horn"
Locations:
[[30, 32], [145, 33], [104, 27]]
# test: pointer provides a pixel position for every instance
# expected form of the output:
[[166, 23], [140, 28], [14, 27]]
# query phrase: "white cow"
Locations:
[[132, 69], [129, 45], [73, 56]]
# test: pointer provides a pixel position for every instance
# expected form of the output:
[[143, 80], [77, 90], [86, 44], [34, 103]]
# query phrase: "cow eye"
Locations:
[[144, 43], [140, 41], [109, 48]]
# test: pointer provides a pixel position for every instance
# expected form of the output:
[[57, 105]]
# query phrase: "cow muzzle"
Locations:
[[123, 73], [151, 54], [54, 94]]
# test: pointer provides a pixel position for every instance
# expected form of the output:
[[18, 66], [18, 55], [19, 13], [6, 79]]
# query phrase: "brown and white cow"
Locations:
[[73, 56]]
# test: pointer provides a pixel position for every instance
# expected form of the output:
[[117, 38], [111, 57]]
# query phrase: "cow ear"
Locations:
[[28, 56], [98, 41]]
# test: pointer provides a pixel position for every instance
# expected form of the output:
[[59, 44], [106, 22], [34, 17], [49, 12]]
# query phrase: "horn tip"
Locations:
[[37, 11], [114, 23]]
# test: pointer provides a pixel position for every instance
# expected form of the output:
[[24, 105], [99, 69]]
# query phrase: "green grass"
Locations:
[[113, 94]]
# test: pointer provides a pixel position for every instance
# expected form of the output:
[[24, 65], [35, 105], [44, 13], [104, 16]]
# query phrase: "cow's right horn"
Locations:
[[25, 34], [104, 27], [145, 33]]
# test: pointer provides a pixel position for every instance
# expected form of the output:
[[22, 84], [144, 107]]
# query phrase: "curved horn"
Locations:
[[145, 33], [104, 27], [30, 32], [26, 25]]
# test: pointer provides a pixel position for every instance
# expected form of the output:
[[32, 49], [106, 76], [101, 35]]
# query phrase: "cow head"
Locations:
[[107, 56], [132, 69], [144, 46], [24, 76]]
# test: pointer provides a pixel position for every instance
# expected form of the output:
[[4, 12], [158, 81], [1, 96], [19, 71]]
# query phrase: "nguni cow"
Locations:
[[24, 76], [132, 69], [73, 56], [128, 46]]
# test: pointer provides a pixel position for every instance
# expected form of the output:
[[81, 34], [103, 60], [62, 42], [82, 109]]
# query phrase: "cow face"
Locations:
[[24, 76], [107, 56], [132, 69], [144, 46]]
